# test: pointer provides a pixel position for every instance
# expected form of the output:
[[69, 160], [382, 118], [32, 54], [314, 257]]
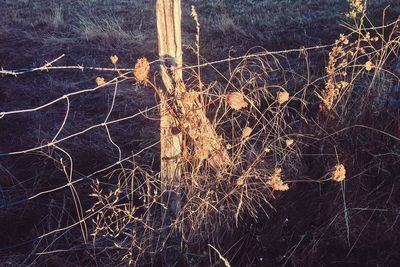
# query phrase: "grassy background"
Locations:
[[305, 227], [33, 31]]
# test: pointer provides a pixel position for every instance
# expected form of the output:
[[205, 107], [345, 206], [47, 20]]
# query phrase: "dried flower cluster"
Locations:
[[100, 81], [142, 70], [344, 55], [236, 100], [282, 97], [196, 19], [246, 132], [240, 181], [114, 59], [369, 65], [357, 7], [336, 73], [289, 142], [275, 181], [338, 173]]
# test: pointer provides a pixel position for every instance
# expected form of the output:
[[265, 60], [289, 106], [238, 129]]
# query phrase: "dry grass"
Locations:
[[254, 123]]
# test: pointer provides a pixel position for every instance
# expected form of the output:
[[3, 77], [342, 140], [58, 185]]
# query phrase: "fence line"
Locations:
[[116, 81]]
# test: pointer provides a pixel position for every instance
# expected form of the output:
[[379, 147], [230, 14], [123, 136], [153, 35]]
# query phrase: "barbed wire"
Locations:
[[49, 65]]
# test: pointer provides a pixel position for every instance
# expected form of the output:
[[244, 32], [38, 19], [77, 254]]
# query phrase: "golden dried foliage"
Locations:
[[142, 70], [332, 87], [201, 153], [236, 100], [189, 99], [275, 181], [208, 145], [336, 72], [338, 174], [282, 97], [343, 58]]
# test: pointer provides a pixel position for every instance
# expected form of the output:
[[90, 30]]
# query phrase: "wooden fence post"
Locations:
[[180, 107], [170, 52], [168, 14]]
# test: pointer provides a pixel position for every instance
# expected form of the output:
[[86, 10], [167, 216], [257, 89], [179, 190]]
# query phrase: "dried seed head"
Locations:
[[369, 65], [240, 181], [236, 100], [275, 181], [343, 84], [289, 142], [357, 7], [282, 97], [114, 59], [194, 13], [338, 173], [142, 70], [343, 38], [100, 81], [246, 132]]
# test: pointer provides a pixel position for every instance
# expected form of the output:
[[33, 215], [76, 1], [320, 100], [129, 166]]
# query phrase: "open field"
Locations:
[[313, 135]]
